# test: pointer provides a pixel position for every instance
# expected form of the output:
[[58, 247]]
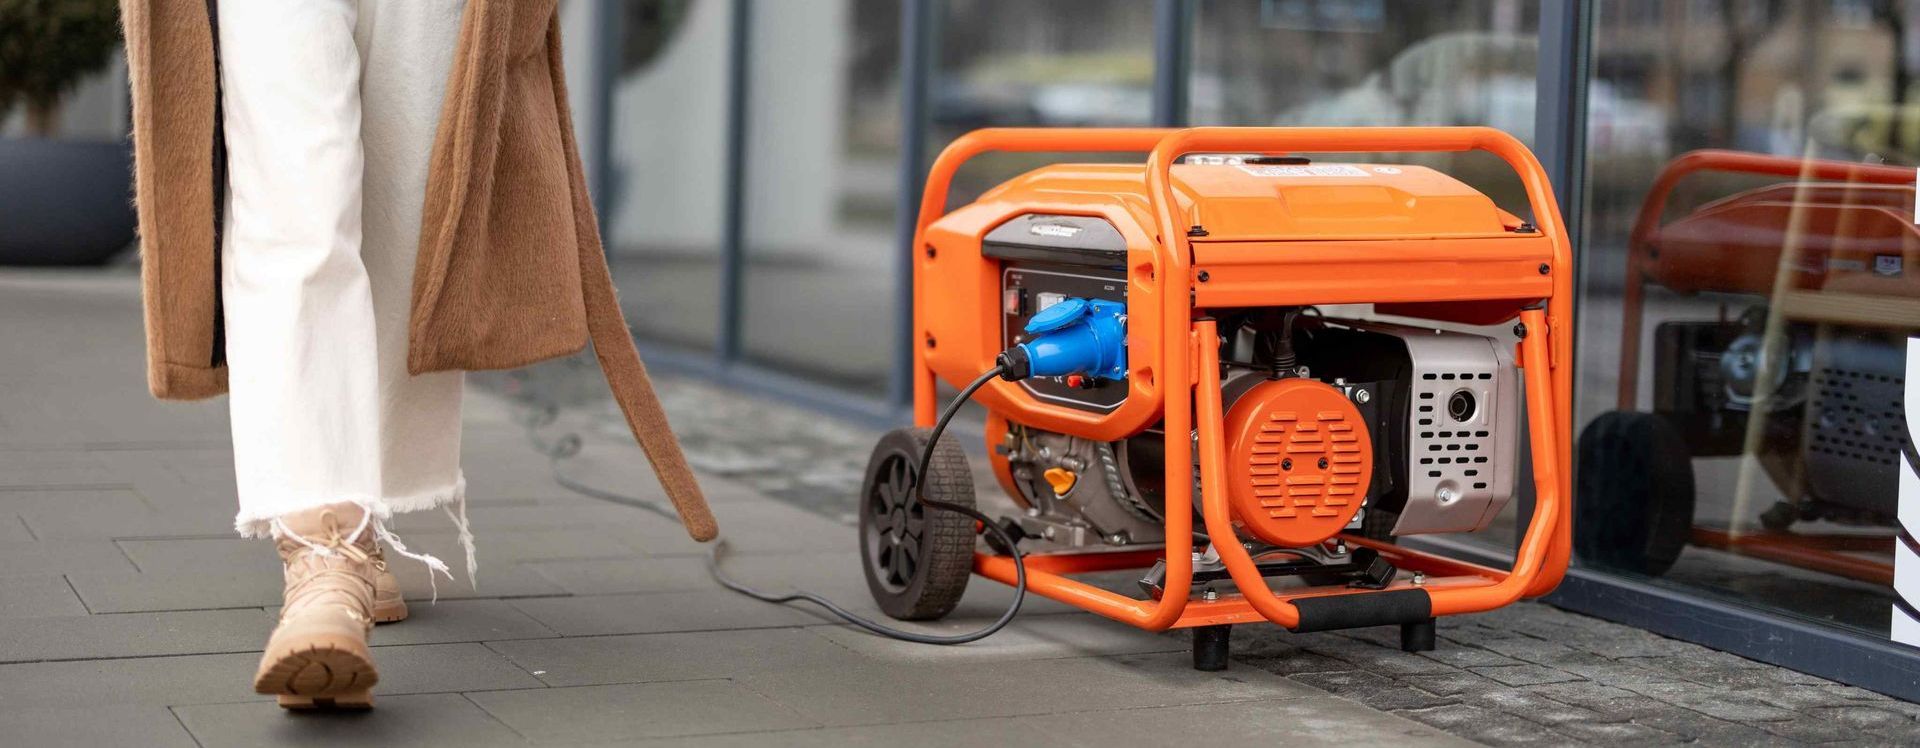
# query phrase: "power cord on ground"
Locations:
[[569, 445]]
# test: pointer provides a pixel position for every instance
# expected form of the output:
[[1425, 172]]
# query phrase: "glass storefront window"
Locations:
[[822, 183], [1015, 63], [1748, 296], [665, 186], [824, 138], [1372, 63]]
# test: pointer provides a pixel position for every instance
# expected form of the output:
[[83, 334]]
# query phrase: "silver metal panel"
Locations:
[[1460, 471]]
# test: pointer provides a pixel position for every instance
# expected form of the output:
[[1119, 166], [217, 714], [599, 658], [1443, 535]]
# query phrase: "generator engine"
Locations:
[[1332, 425]]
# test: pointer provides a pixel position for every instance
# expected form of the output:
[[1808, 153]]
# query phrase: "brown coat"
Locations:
[[510, 269]]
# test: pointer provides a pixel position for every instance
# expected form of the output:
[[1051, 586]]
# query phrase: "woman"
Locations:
[[343, 204]]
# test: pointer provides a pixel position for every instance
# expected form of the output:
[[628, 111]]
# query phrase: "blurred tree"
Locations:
[[1748, 22], [650, 25], [46, 47]]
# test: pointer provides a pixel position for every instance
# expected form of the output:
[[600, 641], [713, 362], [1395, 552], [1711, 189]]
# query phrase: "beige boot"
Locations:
[[318, 656], [388, 607]]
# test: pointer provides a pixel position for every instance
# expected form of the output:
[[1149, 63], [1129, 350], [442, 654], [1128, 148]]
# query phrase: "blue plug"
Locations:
[[1075, 336]]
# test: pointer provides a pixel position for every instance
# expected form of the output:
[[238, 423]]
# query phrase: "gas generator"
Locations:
[[1792, 352], [1239, 371]]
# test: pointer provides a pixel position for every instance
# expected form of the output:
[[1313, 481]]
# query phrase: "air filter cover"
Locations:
[[1298, 461]]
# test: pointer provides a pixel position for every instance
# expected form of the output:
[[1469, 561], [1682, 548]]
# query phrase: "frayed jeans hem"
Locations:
[[260, 524]]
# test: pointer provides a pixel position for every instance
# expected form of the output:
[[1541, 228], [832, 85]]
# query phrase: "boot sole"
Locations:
[[393, 612], [321, 672], [356, 700]]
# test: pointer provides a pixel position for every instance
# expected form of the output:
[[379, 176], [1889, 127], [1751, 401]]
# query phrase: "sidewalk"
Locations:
[[130, 615]]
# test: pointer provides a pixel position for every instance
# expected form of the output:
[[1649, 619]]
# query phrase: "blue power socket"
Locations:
[[1078, 336]]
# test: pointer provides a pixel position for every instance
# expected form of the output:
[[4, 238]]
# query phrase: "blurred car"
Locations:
[[1478, 78]]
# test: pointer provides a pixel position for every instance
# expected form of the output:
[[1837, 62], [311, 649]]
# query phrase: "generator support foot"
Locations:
[[1417, 636], [1210, 647]]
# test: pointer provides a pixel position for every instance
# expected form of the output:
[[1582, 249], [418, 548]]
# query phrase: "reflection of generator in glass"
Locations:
[[1809, 380], [1170, 398]]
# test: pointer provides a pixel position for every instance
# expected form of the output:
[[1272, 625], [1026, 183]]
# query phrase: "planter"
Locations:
[[64, 203]]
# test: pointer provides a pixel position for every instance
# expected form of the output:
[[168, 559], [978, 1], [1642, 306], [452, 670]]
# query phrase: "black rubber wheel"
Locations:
[[917, 559], [1633, 502]]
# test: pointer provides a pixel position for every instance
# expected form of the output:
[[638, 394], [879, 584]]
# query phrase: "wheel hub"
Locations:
[[895, 533]]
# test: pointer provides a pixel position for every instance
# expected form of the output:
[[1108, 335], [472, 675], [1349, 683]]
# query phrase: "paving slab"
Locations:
[[496, 578], [1309, 721], [705, 610], [526, 546], [164, 681], [120, 724], [45, 557], [1488, 725], [134, 592], [448, 668], [216, 550], [451, 621], [765, 527], [423, 720], [1030, 637], [54, 468], [133, 635], [118, 514], [227, 678], [853, 693], [1305, 721], [637, 710], [13, 529], [38, 597], [959, 733], [643, 658]]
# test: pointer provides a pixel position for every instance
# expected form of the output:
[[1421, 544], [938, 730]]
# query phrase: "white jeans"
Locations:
[[330, 112]]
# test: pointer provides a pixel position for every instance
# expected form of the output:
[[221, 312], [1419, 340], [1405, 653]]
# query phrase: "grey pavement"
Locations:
[[130, 615]]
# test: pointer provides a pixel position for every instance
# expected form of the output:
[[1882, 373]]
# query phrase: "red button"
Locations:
[[1076, 381]]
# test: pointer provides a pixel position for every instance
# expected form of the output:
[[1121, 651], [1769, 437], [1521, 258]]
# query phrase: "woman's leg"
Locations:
[[301, 340], [406, 52]]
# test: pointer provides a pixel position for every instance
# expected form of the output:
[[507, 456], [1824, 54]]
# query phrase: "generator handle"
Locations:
[[1546, 211]]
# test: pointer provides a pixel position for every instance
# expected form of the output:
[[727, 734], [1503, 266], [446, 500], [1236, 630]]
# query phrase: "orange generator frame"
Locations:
[[1196, 246]]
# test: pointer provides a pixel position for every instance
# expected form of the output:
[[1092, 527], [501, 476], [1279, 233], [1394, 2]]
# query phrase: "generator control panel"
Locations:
[[1046, 260]]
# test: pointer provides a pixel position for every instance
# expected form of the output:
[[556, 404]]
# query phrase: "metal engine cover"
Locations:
[[1856, 424], [1462, 464], [1298, 461]]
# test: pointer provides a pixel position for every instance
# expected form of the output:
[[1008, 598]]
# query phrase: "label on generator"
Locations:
[[1304, 170]]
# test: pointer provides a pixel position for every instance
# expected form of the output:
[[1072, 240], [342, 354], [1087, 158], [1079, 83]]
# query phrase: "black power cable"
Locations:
[[570, 444], [986, 524]]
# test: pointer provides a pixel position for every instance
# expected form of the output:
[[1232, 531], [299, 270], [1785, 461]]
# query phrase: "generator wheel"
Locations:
[[917, 559], [1633, 503]]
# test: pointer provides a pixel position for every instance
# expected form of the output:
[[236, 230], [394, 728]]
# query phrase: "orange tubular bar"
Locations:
[[1188, 360], [1640, 242], [1169, 267]]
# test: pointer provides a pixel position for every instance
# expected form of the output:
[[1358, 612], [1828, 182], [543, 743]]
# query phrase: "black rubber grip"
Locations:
[[1350, 611]]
